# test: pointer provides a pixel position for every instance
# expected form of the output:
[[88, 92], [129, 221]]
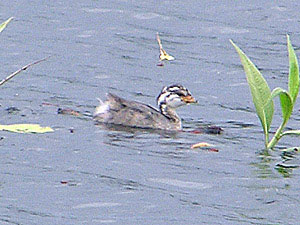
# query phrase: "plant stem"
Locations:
[[20, 70], [276, 137], [266, 140]]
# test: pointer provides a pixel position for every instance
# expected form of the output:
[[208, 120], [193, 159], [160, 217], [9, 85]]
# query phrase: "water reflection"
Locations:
[[286, 166], [153, 142], [135, 131], [263, 166], [282, 164]]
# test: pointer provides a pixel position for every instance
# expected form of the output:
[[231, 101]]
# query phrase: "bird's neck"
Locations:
[[170, 113]]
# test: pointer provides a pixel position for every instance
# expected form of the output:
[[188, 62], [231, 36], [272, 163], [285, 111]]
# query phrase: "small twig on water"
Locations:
[[22, 69], [159, 41]]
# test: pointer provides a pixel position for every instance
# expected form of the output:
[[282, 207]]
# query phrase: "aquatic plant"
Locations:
[[4, 24], [2, 27], [22, 128], [25, 128], [263, 97], [163, 55]]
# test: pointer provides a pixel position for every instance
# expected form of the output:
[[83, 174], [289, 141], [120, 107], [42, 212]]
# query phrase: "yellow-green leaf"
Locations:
[[4, 24], [291, 132], [293, 72], [165, 56], [261, 93], [286, 103], [26, 128]]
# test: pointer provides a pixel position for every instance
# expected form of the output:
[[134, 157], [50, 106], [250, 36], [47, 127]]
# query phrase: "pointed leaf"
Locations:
[[260, 91], [291, 132], [26, 128], [286, 103], [4, 24], [293, 72]]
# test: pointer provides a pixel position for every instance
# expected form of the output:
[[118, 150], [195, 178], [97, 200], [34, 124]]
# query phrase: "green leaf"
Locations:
[[26, 128], [260, 91], [293, 72], [291, 132], [4, 24], [286, 103]]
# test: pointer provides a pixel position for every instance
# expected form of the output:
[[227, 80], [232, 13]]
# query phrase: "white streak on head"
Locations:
[[169, 99], [174, 101]]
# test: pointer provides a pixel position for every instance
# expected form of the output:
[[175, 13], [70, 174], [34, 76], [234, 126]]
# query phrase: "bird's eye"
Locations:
[[180, 94]]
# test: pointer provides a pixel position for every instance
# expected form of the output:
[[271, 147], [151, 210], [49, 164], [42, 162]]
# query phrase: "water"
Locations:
[[86, 174]]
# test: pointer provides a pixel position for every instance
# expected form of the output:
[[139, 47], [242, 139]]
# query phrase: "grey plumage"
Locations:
[[116, 110]]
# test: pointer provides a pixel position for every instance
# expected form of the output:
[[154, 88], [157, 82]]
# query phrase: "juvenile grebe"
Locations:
[[116, 110]]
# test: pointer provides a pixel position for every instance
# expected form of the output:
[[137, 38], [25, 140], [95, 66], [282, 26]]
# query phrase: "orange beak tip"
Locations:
[[189, 99]]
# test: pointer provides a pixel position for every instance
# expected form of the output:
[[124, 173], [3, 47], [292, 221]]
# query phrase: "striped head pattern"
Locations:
[[174, 96]]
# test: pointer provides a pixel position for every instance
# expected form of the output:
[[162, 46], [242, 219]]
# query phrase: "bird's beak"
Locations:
[[188, 99]]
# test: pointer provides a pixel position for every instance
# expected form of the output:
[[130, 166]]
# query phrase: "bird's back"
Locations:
[[116, 110]]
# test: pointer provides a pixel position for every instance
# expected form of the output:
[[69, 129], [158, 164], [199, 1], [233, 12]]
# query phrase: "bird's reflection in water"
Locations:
[[118, 134]]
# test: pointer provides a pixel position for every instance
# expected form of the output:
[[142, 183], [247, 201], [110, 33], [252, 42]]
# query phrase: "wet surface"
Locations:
[[88, 174]]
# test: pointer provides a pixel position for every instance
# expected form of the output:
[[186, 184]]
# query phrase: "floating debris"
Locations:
[[163, 55], [200, 145], [26, 128], [207, 130], [68, 112], [204, 146], [212, 150], [69, 182]]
